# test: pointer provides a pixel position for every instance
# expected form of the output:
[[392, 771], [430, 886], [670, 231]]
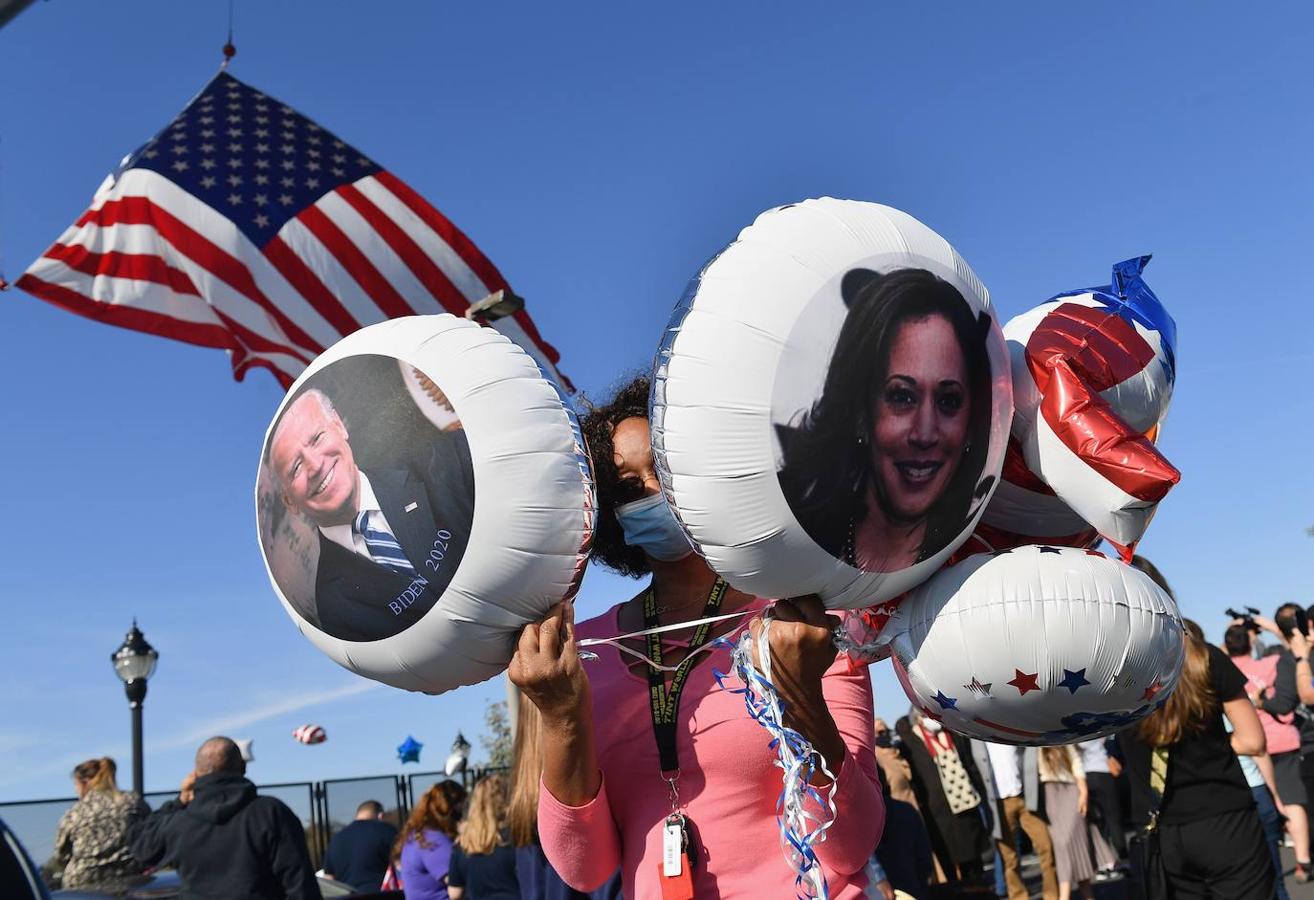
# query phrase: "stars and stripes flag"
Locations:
[[245, 226]]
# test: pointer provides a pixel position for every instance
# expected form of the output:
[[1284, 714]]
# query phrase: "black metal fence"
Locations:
[[324, 807]]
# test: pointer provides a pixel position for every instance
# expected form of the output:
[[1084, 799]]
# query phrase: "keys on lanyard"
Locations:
[[678, 855], [674, 840]]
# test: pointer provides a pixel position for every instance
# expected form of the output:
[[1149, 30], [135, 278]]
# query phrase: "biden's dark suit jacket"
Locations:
[[358, 599]]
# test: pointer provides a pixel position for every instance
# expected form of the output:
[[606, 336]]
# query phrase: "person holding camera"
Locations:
[[1293, 625], [1272, 683]]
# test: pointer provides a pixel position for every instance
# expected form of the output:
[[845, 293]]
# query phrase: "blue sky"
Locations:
[[599, 154]]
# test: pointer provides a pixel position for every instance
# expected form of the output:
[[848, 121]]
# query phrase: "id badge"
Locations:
[[672, 847]]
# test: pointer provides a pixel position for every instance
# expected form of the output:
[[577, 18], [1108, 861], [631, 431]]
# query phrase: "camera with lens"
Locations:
[[1247, 618]]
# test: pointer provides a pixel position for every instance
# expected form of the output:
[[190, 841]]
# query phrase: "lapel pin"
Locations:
[[412, 506]]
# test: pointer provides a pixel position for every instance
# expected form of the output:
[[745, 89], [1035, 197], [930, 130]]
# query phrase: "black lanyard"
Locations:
[[665, 702]]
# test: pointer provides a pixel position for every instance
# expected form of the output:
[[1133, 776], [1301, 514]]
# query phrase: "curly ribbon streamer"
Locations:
[[802, 813]]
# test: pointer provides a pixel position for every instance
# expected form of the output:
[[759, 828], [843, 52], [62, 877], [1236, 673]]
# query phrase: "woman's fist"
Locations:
[[546, 665]]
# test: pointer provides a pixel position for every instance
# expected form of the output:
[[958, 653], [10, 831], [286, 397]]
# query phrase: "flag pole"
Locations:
[[4, 285], [229, 50]]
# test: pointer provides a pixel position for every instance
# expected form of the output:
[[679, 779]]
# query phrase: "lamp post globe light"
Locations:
[[134, 662], [459, 758]]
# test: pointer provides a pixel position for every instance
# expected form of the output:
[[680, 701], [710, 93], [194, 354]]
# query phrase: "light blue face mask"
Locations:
[[650, 525]]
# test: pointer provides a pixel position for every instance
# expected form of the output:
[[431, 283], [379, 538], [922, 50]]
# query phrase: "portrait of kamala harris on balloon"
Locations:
[[369, 491], [885, 467]]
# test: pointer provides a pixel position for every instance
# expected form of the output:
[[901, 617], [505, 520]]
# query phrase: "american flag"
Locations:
[[245, 226]]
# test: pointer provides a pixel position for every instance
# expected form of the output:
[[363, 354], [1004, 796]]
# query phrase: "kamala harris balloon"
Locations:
[[1093, 374], [1037, 645], [423, 493], [831, 403]]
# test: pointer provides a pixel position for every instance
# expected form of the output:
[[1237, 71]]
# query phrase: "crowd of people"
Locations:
[[1209, 787], [672, 792], [225, 840]]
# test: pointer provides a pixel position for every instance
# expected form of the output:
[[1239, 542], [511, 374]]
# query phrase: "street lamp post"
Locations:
[[134, 662]]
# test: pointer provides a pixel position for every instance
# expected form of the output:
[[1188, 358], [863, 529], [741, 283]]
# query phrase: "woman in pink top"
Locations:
[[1271, 686], [608, 785]]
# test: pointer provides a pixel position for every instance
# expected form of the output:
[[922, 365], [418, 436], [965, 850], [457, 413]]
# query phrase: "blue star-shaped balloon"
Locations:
[[1074, 681], [409, 750]]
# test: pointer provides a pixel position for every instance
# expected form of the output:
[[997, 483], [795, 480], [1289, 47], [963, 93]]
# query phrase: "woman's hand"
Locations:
[[1083, 798], [802, 649], [546, 666], [802, 640], [547, 670]]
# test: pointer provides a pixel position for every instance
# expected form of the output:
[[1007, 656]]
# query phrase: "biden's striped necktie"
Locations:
[[383, 547]]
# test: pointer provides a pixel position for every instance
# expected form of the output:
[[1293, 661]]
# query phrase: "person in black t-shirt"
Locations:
[[483, 865], [1210, 837], [358, 855]]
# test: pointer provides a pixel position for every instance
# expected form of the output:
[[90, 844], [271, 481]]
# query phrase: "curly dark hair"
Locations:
[[826, 470], [629, 401]]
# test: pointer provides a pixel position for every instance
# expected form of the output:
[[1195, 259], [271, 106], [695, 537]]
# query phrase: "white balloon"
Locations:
[[244, 748], [506, 547], [455, 764], [743, 365], [1037, 645]]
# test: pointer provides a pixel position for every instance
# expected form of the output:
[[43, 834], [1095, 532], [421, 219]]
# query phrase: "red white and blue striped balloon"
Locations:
[[310, 734], [1093, 374]]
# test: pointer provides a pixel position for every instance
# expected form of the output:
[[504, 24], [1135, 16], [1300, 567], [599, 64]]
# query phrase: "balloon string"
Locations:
[[660, 629]]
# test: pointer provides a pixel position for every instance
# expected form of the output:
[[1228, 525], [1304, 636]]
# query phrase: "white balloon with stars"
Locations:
[[1037, 645]]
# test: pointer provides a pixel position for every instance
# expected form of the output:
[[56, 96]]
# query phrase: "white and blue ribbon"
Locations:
[[802, 813]]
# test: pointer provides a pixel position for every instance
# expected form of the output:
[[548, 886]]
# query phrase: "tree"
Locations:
[[497, 737]]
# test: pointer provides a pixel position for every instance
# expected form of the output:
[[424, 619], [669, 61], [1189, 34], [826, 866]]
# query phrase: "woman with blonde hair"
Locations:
[[1201, 835], [537, 877], [423, 850], [91, 843], [484, 861]]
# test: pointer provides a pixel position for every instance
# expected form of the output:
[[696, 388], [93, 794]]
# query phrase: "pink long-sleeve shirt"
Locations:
[[728, 786]]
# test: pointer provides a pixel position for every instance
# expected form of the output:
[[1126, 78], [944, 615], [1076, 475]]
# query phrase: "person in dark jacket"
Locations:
[[226, 842], [905, 848], [951, 794], [358, 855]]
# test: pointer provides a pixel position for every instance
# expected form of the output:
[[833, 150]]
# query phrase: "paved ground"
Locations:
[[1116, 890]]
